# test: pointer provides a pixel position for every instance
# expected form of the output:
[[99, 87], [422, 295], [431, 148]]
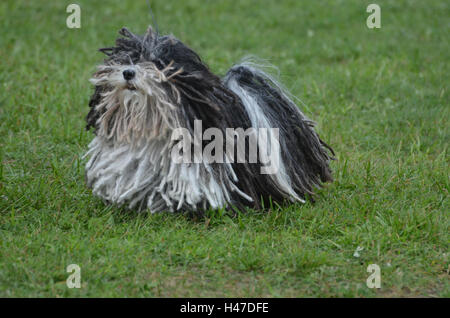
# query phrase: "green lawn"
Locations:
[[380, 98]]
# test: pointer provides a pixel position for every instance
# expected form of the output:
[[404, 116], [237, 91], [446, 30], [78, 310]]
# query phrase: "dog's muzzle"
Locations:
[[128, 74]]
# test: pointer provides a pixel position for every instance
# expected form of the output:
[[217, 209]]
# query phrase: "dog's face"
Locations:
[[137, 101], [140, 86]]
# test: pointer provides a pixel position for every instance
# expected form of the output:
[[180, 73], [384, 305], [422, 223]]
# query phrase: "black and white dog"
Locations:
[[150, 87]]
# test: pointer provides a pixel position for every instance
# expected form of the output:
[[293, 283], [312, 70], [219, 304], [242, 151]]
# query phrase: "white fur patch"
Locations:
[[146, 177], [260, 120], [130, 158]]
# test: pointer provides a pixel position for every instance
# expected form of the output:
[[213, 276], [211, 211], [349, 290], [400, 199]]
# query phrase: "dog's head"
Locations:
[[145, 87]]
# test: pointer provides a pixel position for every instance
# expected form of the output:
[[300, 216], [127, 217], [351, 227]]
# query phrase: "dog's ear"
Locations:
[[94, 114]]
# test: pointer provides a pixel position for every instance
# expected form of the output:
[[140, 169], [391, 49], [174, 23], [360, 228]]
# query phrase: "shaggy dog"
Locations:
[[150, 87]]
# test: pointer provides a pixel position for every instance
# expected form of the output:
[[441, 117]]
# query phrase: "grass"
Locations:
[[380, 97]]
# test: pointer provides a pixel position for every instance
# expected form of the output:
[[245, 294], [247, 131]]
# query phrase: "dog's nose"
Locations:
[[128, 74]]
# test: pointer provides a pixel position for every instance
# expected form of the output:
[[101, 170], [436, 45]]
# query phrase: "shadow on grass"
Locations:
[[284, 215]]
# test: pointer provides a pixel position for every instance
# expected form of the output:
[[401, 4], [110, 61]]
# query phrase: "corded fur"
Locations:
[[133, 120]]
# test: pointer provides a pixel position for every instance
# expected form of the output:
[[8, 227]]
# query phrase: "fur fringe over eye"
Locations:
[[152, 87]]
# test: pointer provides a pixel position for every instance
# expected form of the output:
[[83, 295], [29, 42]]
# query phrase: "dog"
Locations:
[[153, 85]]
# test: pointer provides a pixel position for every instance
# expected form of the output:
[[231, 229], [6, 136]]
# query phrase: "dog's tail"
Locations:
[[304, 157]]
